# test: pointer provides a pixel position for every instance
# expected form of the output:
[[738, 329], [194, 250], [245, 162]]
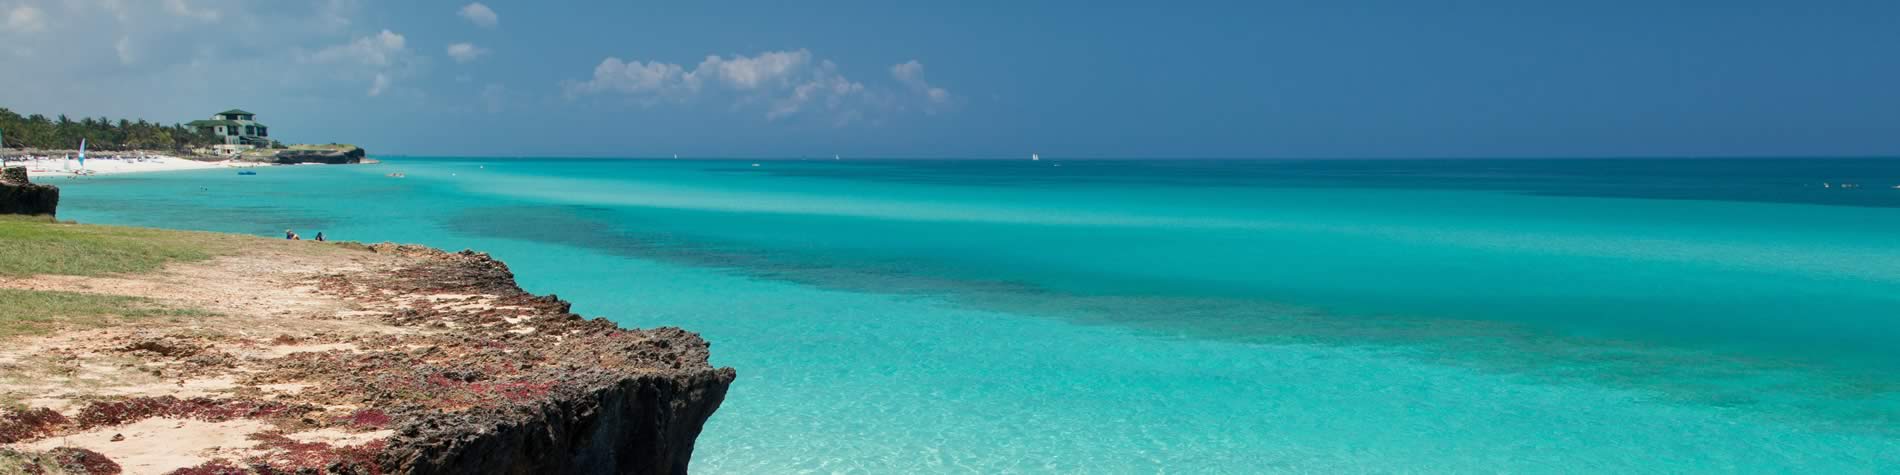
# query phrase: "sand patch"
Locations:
[[340, 438], [160, 445]]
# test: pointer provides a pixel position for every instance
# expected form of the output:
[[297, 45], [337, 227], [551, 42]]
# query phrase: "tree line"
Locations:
[[38, 131]]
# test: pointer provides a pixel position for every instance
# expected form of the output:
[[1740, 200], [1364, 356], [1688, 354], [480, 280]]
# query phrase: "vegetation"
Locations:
[[38, 245], [59, 461], [38, 131], [30, 245], [32, 312]]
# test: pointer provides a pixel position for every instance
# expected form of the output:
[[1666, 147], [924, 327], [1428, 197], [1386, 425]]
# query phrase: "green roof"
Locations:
[[235, 111]]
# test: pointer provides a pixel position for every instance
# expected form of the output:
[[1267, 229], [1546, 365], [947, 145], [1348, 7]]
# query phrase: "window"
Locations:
[[263, 131]]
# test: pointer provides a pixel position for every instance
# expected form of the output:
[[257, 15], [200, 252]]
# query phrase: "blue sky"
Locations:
[[985, 78]]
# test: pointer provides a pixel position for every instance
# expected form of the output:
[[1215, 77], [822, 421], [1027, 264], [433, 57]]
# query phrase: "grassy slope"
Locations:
[[32, 312], [31, 246]]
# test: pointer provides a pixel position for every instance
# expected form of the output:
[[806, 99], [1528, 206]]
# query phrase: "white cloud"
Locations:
[[911, 75], [637, 78], [334, 15], [375, 50], [105, 57], [378, 85], [180, 8], [26, 19], [781, 83], [751, 73], [465, 52], [381, 58], [827, 88], [480, 15]]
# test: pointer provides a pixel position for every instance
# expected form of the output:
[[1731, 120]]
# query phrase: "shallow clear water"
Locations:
[[1662, 316]]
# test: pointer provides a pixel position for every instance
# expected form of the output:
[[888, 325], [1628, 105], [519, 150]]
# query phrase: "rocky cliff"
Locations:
[[20, 196], [334, 155], [577, 395], [348, 359]]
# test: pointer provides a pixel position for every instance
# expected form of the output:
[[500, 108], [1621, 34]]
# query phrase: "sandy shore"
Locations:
[[107, 165]]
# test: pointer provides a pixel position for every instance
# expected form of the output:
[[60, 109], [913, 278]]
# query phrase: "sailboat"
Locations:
[[82, 152], [835, 157], [1034, 157]]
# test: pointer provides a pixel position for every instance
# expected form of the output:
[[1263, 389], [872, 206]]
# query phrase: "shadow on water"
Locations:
[[1818, 394]]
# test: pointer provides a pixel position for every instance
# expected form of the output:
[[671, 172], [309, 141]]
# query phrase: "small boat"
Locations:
[[395, 175], [246, 172], [755, 164], [1034, 157]]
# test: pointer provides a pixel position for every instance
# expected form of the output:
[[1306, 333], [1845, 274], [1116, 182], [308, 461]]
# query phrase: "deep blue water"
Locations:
[[1659, 316]]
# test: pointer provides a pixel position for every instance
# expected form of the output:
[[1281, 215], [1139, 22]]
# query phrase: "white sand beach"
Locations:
[[109, 164]]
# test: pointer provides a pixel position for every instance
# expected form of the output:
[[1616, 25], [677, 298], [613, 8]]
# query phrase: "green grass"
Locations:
[[30, 246], [33, 312]]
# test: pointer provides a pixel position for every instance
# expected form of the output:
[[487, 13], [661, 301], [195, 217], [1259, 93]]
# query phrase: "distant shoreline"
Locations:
[[51, 163], [107, 165]]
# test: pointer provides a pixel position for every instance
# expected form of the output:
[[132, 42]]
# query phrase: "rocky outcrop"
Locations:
[[389, 359], [578, 395], [337, 155], [642, 424], [20, 196]]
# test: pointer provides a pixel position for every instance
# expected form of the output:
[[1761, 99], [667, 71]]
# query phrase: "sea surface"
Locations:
[[1187, 316]]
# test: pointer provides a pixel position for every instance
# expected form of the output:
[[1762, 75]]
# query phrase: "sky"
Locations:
[[984, 78]]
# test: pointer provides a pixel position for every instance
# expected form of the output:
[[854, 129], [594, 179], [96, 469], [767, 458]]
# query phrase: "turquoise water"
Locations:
[[1190, 316]]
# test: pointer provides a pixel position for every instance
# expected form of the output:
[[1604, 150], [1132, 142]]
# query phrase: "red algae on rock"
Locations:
[[26, 424], [387, 359]]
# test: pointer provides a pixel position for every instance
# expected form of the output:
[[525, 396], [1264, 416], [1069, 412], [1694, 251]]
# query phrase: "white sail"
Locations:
[[1034, 157]]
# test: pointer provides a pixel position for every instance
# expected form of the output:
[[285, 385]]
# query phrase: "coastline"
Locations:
[[238, 351], [55, 163], [54, 167]]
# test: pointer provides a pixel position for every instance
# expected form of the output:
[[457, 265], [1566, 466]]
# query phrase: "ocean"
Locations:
[[1187, 316]]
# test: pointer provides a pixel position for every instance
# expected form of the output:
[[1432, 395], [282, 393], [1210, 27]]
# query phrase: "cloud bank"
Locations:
[[780, 84], [108, 51]]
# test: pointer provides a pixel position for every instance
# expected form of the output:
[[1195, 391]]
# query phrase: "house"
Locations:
[[238, 128]]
